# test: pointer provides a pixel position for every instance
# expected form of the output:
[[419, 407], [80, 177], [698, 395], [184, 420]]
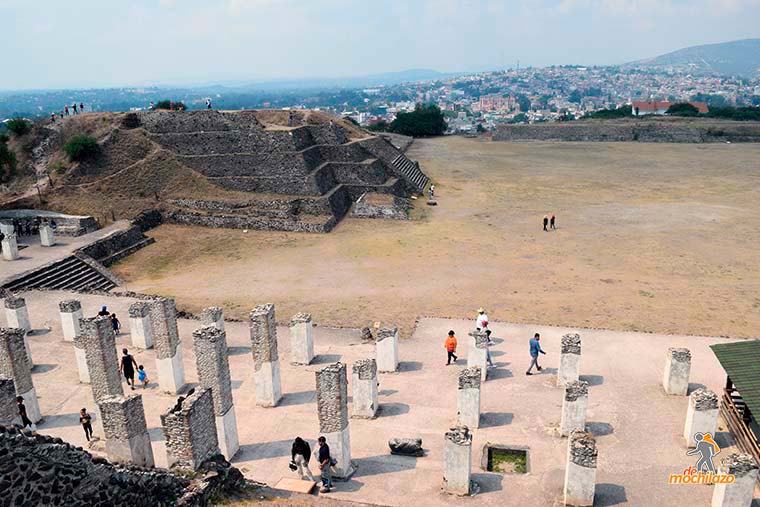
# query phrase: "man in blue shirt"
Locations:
[[535, 349], [325, 462]]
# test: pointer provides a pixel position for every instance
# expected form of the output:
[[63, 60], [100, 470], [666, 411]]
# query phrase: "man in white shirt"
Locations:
[[481, 321]]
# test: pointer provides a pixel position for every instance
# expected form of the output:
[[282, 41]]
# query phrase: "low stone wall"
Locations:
[[148, 219], [644, 131], [248, 222], [389, 207], [116, 245], [162, 122], [66, 225]]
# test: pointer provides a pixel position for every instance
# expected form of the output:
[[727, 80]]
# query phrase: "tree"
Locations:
[[480, 128], [524, 103], [620, 112], [170, 105], [81, 147], [380, 126], [682, 109], [520, 118], [425, 120], [575, 97], [18, 126], [7, 160]]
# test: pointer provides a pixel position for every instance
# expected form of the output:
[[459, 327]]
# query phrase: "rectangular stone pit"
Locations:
[[516, 459]]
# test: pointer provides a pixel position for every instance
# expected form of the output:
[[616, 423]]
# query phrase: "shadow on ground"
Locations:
[[384, 464], [298, 398], [609, 494], [392, 409], [494, 419], [488, 482]]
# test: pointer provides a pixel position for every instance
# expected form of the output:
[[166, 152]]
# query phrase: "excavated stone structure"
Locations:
[[127, 439], [14, 364], [266, 361], [190, 430], [163, 319], [332, 409], [97, 340], [71, 314]]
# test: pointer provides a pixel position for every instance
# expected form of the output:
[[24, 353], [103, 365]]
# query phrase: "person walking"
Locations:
[[74, 105], [66, 110], [481, 321], [142, 377], [81, 107], [451, 347], [535, 349], [325, 462], [104, 311], [551, 222], [85, 420], [26, 423], [127, 367], [115, 324], [52, 117], [300, 454], [208, 103], [546, 222]]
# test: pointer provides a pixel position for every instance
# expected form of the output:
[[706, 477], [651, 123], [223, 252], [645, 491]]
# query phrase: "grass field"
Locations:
[[650, 237]]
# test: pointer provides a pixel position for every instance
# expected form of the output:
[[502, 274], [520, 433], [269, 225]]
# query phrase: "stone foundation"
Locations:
[[677, 368], [364, 389], [569, 360], [701, 415], [457, 461]]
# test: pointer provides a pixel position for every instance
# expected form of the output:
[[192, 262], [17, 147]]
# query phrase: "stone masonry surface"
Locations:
[[163, 319], [139, 309], [13, 302], [469, 378], [300, 318], [571, 344], [191, 432], [575, 390], [263, 335], [738, 464], [680, 354], [8, 407], [69, 306], [583, 449], [704, 399], [213, 366], [211, 314], [123, 418], [14, 363], [481, 339], [98, 341], [366, 369], [385, 332], [332, 398], [459, 435]]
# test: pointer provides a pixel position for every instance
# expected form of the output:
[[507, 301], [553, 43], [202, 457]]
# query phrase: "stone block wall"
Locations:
[[14, 362], [163, 319], [8, 406], [99, 343], [263, 335], [213, 366], [103, 250], [332, 398], [191, 436], [123, 418]]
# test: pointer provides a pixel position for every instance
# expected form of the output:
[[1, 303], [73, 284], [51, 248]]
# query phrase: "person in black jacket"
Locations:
[[300, 454], [325, 462]]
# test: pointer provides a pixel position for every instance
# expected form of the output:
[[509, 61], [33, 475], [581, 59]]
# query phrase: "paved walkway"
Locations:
[[639, 428]]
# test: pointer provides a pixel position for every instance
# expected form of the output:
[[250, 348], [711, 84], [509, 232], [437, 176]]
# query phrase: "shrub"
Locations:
[[682, 109], [81, 147], [170, 105], [7, 160], [380, 126], [18, 126], [423, 121]]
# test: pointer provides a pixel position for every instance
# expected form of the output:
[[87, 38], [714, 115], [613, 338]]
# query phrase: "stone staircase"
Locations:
[[411, 172], [70, 273]]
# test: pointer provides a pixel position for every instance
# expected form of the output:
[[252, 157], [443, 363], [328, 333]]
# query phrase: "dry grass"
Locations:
[[650, 238]]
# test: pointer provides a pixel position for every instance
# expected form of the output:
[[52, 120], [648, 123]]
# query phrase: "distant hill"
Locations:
[[740, 58]]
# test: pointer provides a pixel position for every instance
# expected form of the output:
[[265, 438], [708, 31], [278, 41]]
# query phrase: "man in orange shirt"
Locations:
[[451, 347]]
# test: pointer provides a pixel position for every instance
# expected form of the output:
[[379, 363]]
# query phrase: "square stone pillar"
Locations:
[[8, 407], [127, 438], [10, 247], [574, 406], [677, 368], [213, 316], [580, 472], [212, 363], [477, 354], [99, 344], [457, 460], [386, 349], [140, 326], [15, 364], [364, 389], [47, 237], [739, 493], [71, 314], [171, 371], [17, 316], [332, 408], [190, 431], [468, 399], [266, 362], [301, 339], [569, 359], [701, 416]]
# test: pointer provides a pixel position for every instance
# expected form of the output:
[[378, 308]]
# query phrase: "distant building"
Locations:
[[497, 103], [640, 108]]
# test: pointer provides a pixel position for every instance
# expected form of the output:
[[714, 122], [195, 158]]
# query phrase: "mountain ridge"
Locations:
[[737, 58]]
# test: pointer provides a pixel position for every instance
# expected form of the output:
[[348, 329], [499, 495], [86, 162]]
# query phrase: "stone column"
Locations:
[[266, 363], [574, 408], [677, 368], [47, 237], [457, 460], [701, 416], [739, 493], [364, 389], [468, 400], [569, 359], [213, 316], [212, 363], [17, 317], [476, 356], [99, 344], [127, 439], [10, 247], [301, 339], [580, 473], [332, 407], [8, 407], [15, 364], [386, 349], [171, 371], [140, 326], [190, 431], [71, 314]]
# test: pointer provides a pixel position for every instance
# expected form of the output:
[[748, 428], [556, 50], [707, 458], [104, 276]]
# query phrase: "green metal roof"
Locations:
[[741, 360]]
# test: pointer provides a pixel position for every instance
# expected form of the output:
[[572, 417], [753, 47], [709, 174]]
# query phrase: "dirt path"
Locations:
[[650, 237]]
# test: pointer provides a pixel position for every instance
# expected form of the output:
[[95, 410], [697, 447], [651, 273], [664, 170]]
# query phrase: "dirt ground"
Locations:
[[650, 237]]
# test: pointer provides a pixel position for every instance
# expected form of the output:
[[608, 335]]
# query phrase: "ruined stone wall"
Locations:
[[66, 225], [190, 432], [247, 222], [8, 407], [123, 418], [263, 335], [104, 249], [163, 320], [332, 398], [161, 122], [213, 365], [14, 363]]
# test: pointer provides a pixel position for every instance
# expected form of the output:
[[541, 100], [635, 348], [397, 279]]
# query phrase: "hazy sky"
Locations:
[[77, 43]]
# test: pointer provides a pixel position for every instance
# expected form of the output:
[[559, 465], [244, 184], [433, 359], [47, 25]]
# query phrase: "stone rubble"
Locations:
[[459, 435], [582, 447], [571, 344], [575, 390], [704, 399], [365, 368], [738, 464], [469, 378], [332, 398], [680, 355]]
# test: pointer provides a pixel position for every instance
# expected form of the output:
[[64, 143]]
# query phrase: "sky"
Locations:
[[106, 43]]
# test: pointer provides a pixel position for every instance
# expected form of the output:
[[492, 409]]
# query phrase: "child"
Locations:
[[86, 420], [451, 347], [142, 376], [115, 324]]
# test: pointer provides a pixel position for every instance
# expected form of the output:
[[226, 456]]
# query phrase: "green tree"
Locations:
[[170, 105], [682, 109], [520, 118], [380, 126], [620, 112], [425, 120], [81, 147], [18, 126], [575, 97], [7, 160], [524, 103]]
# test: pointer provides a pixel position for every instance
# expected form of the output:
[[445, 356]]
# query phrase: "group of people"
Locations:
[[481, 324], [300, 454], [550, 222], [127, 364], [66, 111]]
